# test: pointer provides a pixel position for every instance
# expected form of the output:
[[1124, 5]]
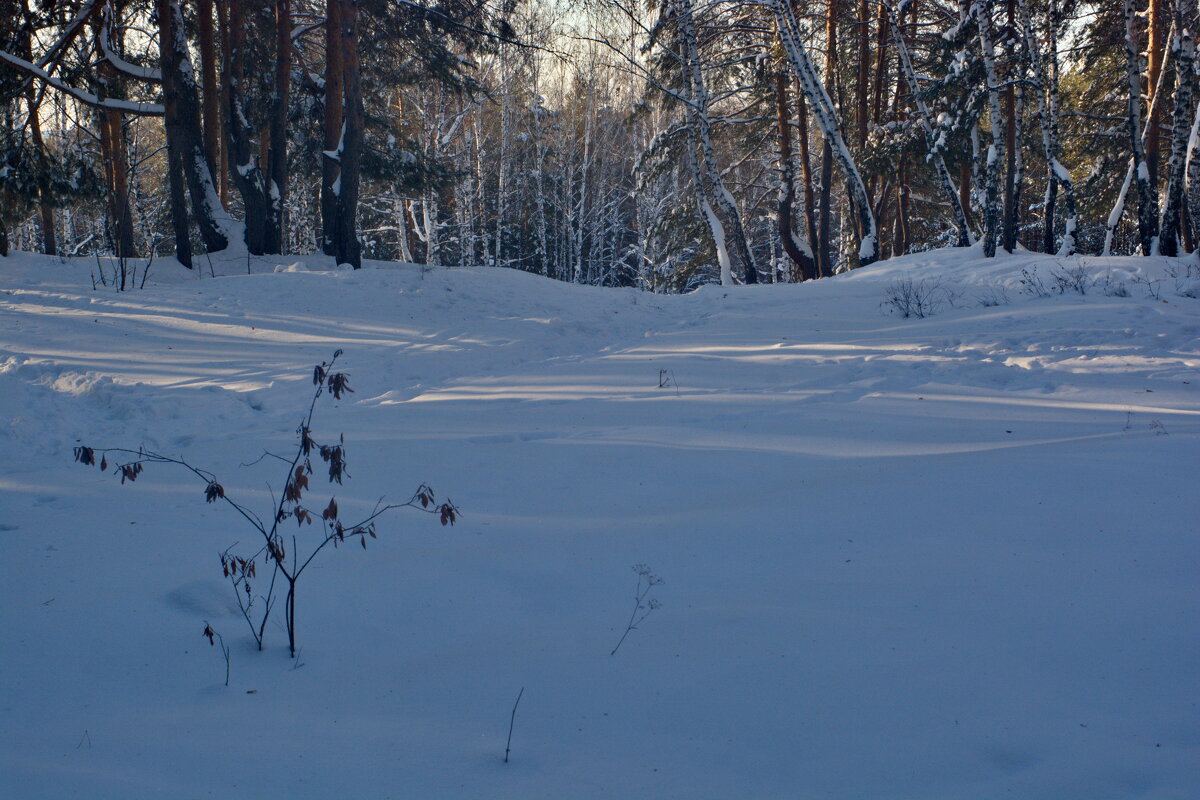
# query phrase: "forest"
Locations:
[[662, 144]]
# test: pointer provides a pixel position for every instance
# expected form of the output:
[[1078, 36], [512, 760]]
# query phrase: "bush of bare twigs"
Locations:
[[274, 563]]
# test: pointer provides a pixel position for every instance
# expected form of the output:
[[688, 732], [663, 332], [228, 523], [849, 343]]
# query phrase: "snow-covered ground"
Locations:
[[943, 557]]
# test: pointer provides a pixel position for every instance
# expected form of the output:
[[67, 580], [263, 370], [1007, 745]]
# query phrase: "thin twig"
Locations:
[[511, 721]]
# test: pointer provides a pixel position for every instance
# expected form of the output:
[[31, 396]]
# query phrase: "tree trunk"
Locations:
[[903, 193], [183, 127], [1192, 173], [1183, 52], [1158, 20], [330, 166], [45, 212], [717, 197], [116, 160], [965, 190], [810, 219], [245, 170], [864, 69], [1147, 197], [346, 247], [932, 140], [277, 162], [1050, 208], [210, 94], [116, 170], [803, 266], [1015, 173], [1008, 238], [223, 98], [177, 197], [1045, 87], [995, 154], [883, 36], [825, 215], [827, 117], [825, 257]]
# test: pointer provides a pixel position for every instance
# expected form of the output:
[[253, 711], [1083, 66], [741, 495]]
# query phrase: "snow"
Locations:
[[1114, 216], [718, 234], [951, 557], [1060, 171], [142, 73], [128, 106], [866, 248]]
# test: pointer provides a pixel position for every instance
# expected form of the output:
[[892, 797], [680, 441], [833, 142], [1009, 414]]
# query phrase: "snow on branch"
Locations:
[[133, 70], [83, 96], [84, 13]]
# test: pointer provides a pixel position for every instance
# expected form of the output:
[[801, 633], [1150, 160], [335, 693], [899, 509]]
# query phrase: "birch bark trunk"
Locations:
[[826, 116], [934, 142], [1183, 51], [1147, 197], [717, 195], [995, 153]]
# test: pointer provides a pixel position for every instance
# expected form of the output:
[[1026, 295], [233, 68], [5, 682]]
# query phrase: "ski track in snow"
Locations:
[[943, 557]]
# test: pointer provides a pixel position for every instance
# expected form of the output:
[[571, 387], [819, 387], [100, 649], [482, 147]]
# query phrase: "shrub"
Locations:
[[1071, 279], [994, 296], [919, 299], [278, 563]]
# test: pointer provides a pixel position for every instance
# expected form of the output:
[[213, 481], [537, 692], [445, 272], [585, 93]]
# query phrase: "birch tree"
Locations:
[[1183, 53], [934, 139], [711, 193], [1046, 95], [982, 10], [830, 125], [1146, 193]]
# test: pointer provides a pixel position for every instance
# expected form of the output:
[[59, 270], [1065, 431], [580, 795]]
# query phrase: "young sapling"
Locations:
[[643, 603], [274, 551], [213, 636]]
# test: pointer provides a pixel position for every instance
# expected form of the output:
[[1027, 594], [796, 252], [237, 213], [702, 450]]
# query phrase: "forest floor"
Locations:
[[945, 557]]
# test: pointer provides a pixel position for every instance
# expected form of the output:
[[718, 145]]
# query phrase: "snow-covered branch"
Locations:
[[132, 70], [82, 95]]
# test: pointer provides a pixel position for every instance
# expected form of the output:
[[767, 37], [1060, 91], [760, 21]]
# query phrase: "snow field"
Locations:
[[943, 557]]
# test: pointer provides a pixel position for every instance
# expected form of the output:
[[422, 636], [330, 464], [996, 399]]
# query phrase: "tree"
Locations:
[[1183, 54], [830, 126]]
